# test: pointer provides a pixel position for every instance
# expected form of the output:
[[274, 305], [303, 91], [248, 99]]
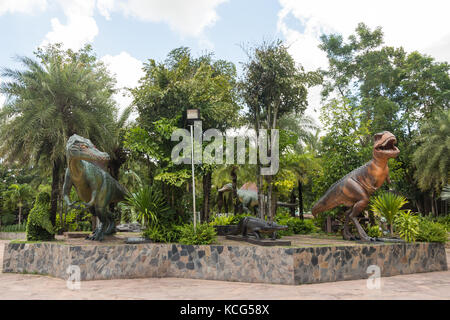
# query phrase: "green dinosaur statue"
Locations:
[[94, 186], [247, 194]]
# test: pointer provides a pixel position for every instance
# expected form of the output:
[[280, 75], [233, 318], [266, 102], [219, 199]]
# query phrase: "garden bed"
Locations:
[[310, 259]]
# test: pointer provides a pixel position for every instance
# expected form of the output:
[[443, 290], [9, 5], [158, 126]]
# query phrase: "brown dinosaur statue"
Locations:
[[355, 189]]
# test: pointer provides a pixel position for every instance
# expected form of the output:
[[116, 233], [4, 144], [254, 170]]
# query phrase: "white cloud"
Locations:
[[80, 28], [188, 18], [128, 71], [22, 6], [414, 24]]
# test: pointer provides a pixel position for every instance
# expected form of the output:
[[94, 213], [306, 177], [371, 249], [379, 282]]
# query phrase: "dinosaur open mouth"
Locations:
[[388, 145]]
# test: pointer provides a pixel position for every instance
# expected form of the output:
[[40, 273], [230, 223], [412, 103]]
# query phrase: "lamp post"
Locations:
[[193, 115]]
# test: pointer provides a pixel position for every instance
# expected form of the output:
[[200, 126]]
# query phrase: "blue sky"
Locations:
[[125, 33]]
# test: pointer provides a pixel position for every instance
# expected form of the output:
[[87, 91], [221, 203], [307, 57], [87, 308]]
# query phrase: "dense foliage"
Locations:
[[39, 226]]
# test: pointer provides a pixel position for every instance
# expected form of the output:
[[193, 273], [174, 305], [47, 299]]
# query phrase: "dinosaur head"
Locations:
[[272, 226], [83, 149], [226, 188], [384, 146]]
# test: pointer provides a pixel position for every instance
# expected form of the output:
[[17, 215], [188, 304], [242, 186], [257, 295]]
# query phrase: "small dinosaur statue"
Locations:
[[255, 226], [355, 189], [94, 186], [248, 196]]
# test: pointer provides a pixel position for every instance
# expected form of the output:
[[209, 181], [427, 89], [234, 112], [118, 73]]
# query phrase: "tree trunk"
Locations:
[[206, 195], [20, 215], [234, 192], [219, 201], [55, 191], [300, 199], [225, 203], [292, 200]]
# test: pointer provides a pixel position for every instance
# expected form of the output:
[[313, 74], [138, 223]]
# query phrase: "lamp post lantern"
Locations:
[[193, 115]]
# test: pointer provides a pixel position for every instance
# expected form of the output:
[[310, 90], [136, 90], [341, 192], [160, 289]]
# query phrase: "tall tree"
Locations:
[[59, 94], [273, 86], [166, 91], [432, 156]]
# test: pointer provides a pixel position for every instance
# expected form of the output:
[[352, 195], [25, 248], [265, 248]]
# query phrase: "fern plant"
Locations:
[[407, 225], [387, 205]]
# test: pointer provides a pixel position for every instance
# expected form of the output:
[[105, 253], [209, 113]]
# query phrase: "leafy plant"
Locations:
[[204, 234], [39, 227], [14, 228], [430, 231], [374, 231], [162, 233], [407, 225], [148, 203], [222, 220], [237, 218], [387, 205], [295, 225]]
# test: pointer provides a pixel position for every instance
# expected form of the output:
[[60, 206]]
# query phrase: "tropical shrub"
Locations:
[[162, 233], [222, 220], [430, 231], [374, 231], [445, 221], [295, 225], [39, 226], [407, 225], [148, 203], [205, 234], [14, 228], [387, 205]]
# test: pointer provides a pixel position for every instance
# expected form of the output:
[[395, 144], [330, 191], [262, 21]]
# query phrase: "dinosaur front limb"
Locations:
[[92, 201]]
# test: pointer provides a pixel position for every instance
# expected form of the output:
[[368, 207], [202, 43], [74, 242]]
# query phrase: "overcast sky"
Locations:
[[125, 33]]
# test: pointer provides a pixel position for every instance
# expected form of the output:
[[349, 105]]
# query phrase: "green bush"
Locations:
[[445, 221], [407, 225], [430, 231], [14, 228], [374, 231], [222, 220], [205, 234], [162, 233], [39, 227], [295, 225]]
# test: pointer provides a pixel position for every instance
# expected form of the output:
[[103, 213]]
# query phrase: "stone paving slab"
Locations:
[[432, 286]]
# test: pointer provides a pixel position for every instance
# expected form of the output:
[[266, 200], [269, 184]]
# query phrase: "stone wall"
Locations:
[[230, 263]]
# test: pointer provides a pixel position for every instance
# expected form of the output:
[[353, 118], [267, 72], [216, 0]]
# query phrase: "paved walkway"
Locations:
[[432, 285]]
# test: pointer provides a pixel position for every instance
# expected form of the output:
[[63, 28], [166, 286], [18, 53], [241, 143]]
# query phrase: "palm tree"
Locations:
[[61, 94], [19, 194], [432, 157], [387, 205]]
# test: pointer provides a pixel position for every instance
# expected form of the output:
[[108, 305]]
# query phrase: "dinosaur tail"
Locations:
[[324, 204]]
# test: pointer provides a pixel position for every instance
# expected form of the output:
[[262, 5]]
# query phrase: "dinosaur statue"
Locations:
[[355, 189], [248, 196], [94, 186], [255, 226]]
